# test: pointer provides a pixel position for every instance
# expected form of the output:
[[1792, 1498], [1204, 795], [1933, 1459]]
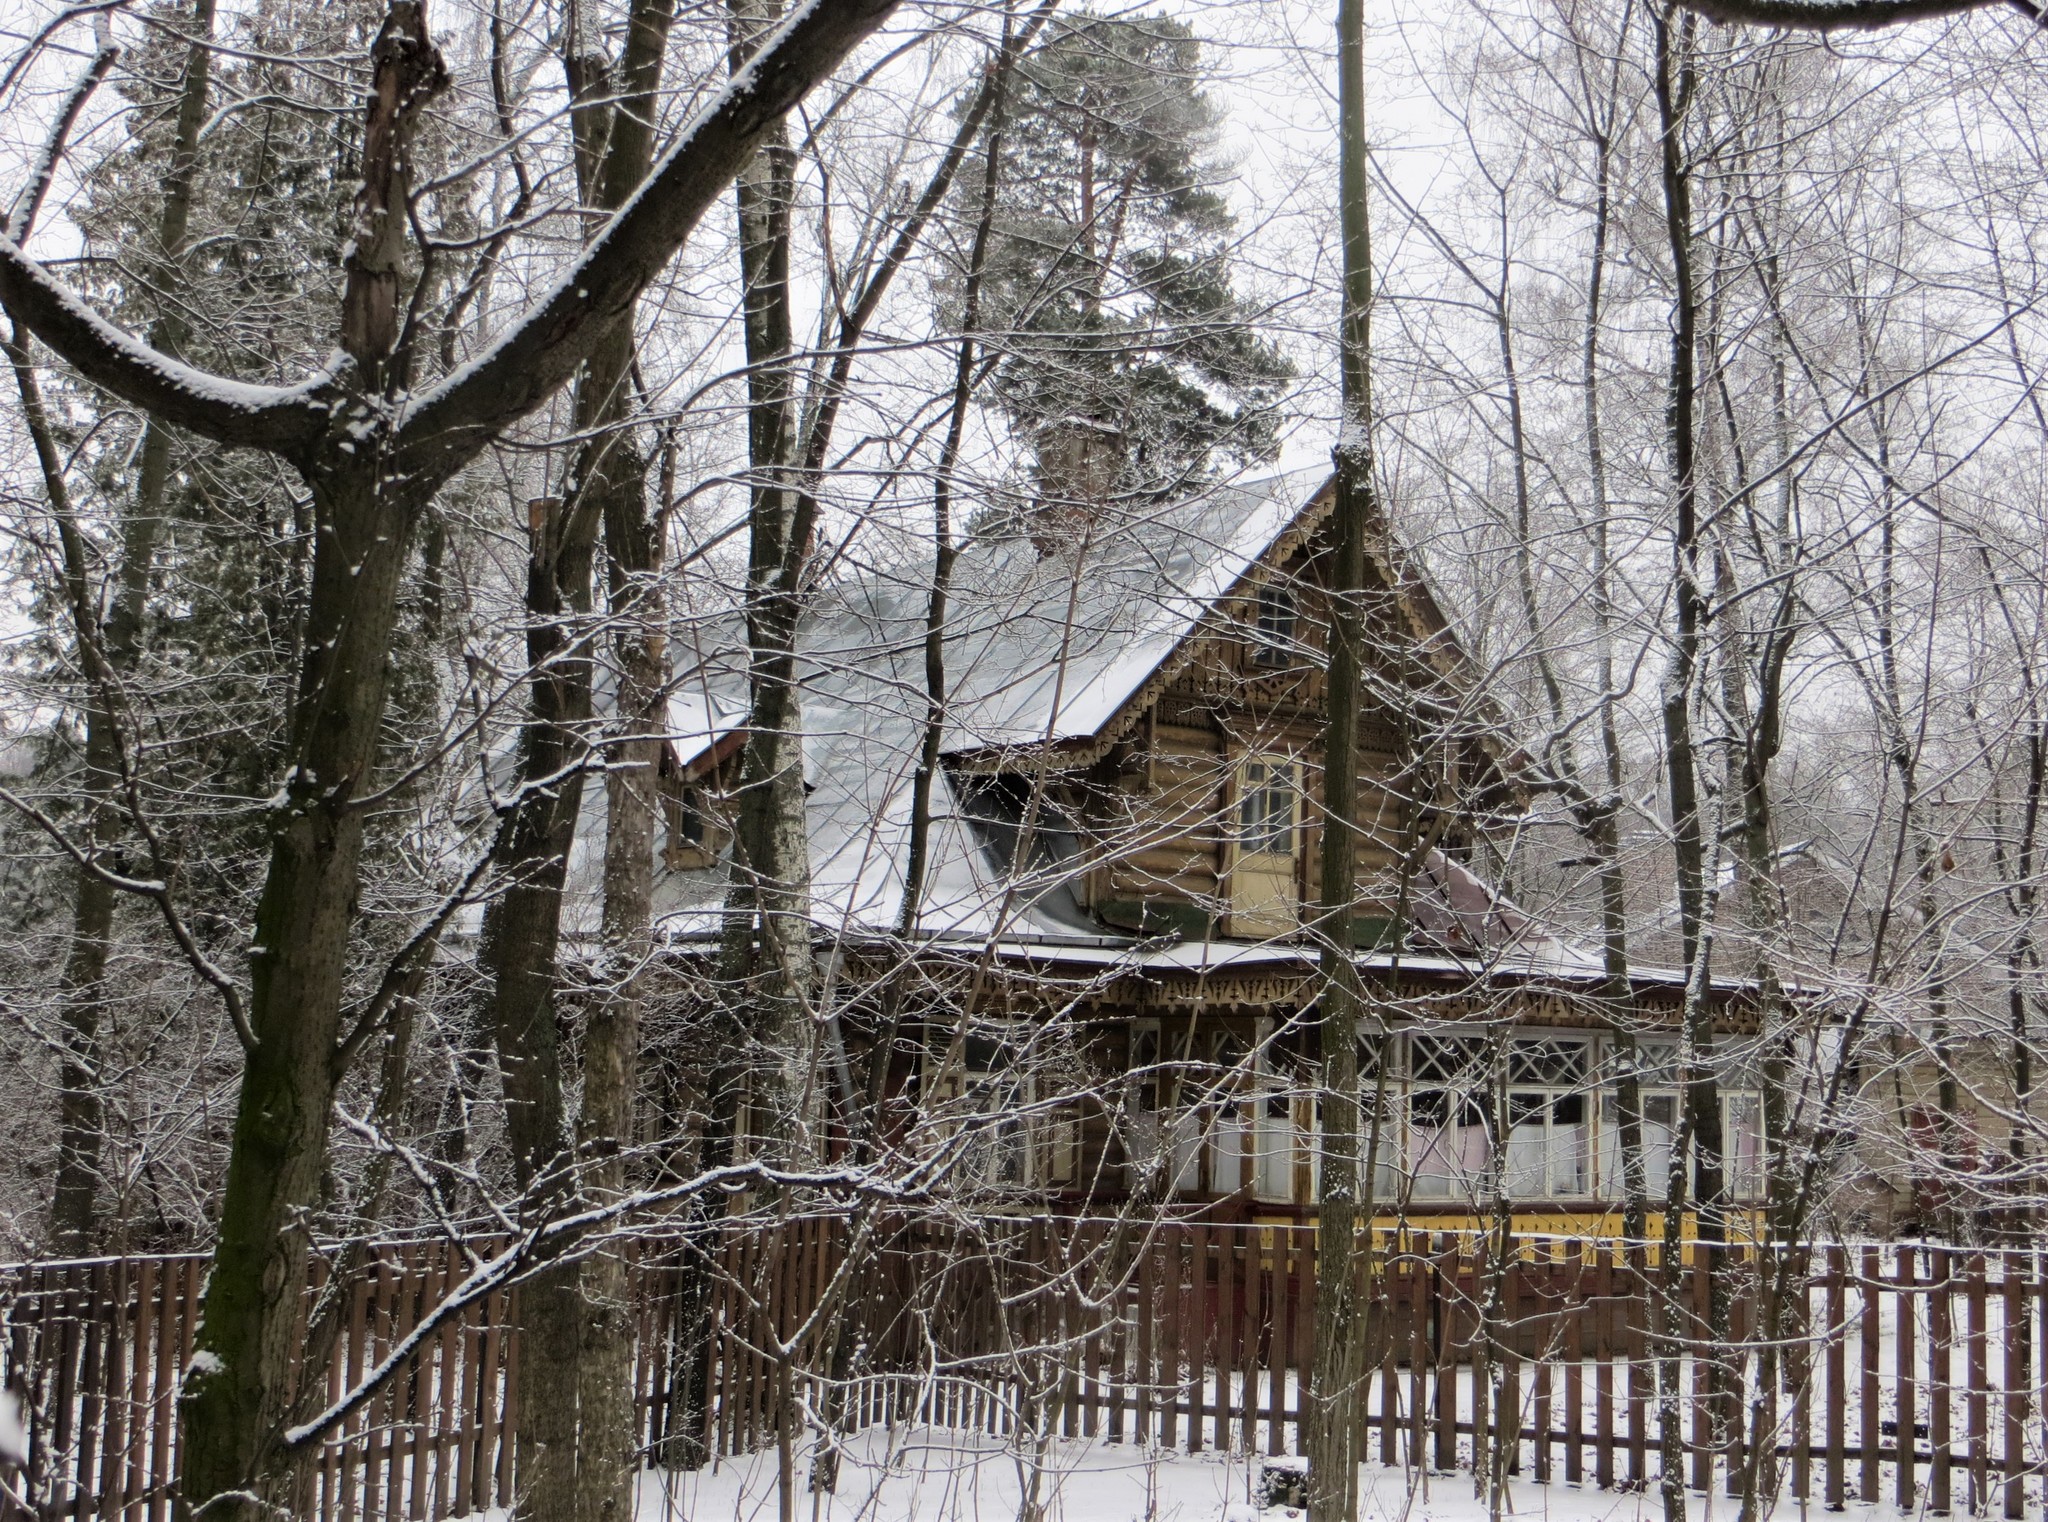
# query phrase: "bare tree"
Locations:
[[372, 455]]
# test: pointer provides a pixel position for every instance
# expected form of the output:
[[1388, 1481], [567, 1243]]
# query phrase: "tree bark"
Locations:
[[239, 1389], [616, 474], [575, 1419], [1600, 822], [518, 950], [767, 954], [1344, 1197], [1699, 1139]]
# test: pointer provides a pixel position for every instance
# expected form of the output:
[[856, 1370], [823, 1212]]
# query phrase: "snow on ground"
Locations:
[[939, 1476]]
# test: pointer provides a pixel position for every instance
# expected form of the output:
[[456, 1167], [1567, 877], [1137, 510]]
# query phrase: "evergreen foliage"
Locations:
[[1134, 363]]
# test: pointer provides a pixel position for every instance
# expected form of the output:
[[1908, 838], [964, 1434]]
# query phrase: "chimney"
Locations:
[[1079, 461]]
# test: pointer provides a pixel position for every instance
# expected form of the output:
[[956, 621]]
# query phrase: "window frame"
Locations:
[[1276, 622], [1255, 833]]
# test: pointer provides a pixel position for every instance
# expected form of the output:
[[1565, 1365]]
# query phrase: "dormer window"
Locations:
[[1273, 635], [695, 833]]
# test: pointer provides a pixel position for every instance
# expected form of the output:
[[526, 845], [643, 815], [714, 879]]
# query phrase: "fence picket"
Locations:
[[1700, 1314], [1574, 1364], [1904, 1319], [1606, 1370], [1977, 1359], [1278, 1336], [1544, 1369], [1940, 1378], [1637, 1279], [1870, 1324], [1444, 1348], [2015, 1376], [1838, 1374]]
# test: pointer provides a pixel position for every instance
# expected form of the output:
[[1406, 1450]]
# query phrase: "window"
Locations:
[[1274, 641], [1660, 1069], [1660, 1132], [1459, 1100], [1450, 1144], [1042, 1150], [1205, 1110], [1450, 1132], [1550, 1131], [695, 835], [1166, 1130], [1266, 809], [1742, 1138]]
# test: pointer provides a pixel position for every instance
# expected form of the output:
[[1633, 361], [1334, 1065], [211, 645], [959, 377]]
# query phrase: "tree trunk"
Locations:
[[1700, 1128], [521, 936], [239, 1389], [576, 1415], [616, 474], [1340, 1314], [768, 933]]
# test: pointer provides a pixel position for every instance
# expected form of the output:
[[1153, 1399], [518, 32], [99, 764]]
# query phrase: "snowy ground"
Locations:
[[939, 1476]]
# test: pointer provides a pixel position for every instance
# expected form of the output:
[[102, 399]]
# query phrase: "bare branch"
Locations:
[[1844, 15], [282, 419], [542, 350]]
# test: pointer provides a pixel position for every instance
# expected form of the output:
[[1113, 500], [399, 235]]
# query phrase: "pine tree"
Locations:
[[1134, 364]]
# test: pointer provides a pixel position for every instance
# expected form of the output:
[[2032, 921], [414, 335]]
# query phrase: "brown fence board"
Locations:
[[1940, 1380], [2015, 1375]]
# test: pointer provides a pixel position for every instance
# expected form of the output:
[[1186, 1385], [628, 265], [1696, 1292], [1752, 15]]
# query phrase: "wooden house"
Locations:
[[1114, 941]]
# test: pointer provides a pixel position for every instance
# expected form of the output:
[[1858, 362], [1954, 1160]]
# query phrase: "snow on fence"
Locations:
[[1908, 1372]]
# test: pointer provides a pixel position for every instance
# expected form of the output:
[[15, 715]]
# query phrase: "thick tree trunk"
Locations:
[[239, 1389], [1340, 1316], [521, 935], [576, 1414], [611, 1043], [1699, 1138], [760, 1035], [1599, 821], [768, 935]]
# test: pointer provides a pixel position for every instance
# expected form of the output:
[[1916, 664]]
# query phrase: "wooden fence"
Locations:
[[1913, 1373]]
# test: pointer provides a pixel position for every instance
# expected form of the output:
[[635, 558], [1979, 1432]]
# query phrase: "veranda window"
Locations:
[[1013, 1145], [1166, 1128], [1742, 1142], [1550, 1132], [1450, 1132], [1742, 1130], [1462, 1089]]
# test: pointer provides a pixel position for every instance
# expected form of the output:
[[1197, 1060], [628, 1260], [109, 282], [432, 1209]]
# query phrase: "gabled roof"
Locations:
[[1053, 650]]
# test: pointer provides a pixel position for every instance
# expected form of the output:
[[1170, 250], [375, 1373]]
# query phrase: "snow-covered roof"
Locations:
[[1050, 649], [1039, 649], [704, 716]]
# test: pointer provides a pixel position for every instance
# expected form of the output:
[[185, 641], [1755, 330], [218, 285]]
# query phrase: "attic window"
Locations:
[[1274, 643]]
